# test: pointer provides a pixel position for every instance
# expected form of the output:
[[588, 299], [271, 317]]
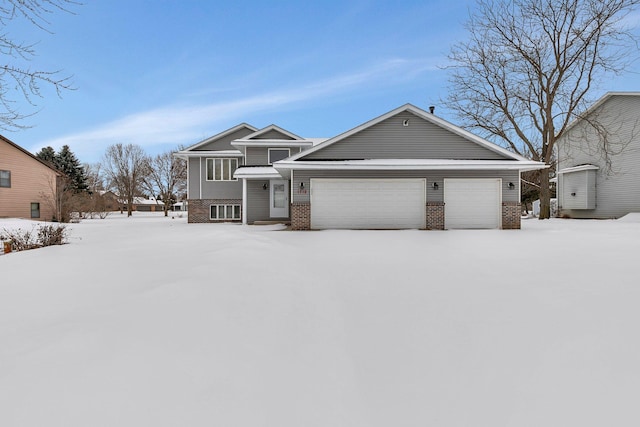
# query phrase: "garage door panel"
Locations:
[[367, 203], [472, 203]]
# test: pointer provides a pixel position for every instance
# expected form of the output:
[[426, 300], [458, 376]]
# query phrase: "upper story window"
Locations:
[[221, 169], [276, 154], [5, 179]]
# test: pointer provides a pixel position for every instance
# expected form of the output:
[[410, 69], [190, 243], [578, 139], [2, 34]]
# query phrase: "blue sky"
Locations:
[[160, 73]]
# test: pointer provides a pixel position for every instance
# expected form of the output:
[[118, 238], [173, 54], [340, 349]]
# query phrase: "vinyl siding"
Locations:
[[200, 188], [304, 176], [224, 143], [273, 134], [389, 139], [31, 182], [256, 156], [257, 201], [617, 191]]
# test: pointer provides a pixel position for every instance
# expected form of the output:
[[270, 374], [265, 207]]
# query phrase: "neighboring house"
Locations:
[[28, 185], [593, 183], [405, 169]]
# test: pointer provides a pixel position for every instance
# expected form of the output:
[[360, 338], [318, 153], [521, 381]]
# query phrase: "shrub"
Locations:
[[38, 237]]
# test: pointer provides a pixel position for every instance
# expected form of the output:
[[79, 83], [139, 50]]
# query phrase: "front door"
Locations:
[[279, 198]]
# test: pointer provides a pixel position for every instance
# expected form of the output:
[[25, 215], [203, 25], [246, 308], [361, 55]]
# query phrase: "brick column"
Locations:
[[435, 215], [300, 216], [511, 213]]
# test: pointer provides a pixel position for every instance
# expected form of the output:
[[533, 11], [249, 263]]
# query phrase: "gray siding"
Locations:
[[617, 189], [257, 201], [200, 188], [256, 156], [273, 134], [304, 176], [389, 139], [224, 143]]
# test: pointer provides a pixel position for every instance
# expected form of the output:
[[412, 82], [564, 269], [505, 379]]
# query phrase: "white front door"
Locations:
[[279, 198]]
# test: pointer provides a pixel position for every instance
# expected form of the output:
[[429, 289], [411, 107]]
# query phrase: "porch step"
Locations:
[[285, 222]]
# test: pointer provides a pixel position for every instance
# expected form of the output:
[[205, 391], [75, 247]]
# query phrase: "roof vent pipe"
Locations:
[[432, 109]]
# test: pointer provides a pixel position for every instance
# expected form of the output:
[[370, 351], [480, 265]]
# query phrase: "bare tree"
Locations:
[[125, 167], [529, 67], [17, 78], [166, 178]]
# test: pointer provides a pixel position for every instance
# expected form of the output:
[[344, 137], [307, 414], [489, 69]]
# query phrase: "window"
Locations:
[[225, 212], [5, 179], [276, 154], [35, 210], [221, 169]]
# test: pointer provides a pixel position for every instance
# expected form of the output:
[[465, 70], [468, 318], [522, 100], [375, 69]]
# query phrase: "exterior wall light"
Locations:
[[265, 185], [435, 186], [511, 186], [302, 185]]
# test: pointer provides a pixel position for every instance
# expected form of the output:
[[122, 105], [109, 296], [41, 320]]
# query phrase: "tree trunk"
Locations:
[[545, 195]]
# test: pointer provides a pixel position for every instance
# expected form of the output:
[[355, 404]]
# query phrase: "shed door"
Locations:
[[368, 203], [472, 203]]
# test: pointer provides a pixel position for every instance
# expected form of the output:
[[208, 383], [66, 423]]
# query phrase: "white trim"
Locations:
[[220, 135], [271, 143], [213, 169], [270, 128], [426, 116], [257, 172], [224, 210], [269, 150], [410, 164], [200, 175], [217, 153], [578, 169], [244, 202]]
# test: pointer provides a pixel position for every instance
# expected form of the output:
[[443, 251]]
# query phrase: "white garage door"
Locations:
[[368, 203], [472, 203]]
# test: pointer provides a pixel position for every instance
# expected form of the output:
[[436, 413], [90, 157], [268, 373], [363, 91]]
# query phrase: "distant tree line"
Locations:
[[125, 170]]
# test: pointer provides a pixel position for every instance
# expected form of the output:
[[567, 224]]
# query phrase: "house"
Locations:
[[28, 185], [594, 182], [405, 169]]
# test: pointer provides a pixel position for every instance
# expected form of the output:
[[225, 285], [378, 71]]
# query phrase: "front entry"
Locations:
[[279, 198]]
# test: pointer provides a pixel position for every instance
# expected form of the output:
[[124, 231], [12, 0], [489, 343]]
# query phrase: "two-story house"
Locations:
[[404, 169]]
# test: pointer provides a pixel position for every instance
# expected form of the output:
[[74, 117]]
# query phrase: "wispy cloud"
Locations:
[[184, 124]]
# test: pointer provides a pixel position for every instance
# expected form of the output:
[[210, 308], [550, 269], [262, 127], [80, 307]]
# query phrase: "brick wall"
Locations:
[[435, 215], [511, 212], [300, 216], [199, 209]]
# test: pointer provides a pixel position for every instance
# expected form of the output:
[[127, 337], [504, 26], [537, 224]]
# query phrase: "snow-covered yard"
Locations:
[[150, 321]]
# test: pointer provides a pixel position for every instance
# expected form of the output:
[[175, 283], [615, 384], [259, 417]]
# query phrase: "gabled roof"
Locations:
[[597, 105], [422, 114], [221, 135], [270, 128], [47, 164]]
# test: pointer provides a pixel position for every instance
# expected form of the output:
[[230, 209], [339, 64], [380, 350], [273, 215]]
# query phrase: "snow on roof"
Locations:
[[579, 168], [257, 172], [405, 164], [217, 153]]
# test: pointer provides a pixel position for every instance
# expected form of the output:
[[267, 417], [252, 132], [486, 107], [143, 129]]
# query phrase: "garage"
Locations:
[[472, 203], [368, 203]]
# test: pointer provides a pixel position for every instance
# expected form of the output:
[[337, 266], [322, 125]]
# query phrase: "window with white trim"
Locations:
[[5, 179], [276, 154], [225, 212], [221, 169]]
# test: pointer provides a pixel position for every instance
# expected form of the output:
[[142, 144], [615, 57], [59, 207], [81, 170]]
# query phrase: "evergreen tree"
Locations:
[[66, 162]]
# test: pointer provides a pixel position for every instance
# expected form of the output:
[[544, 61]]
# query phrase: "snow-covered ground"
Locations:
[[150, 321]]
